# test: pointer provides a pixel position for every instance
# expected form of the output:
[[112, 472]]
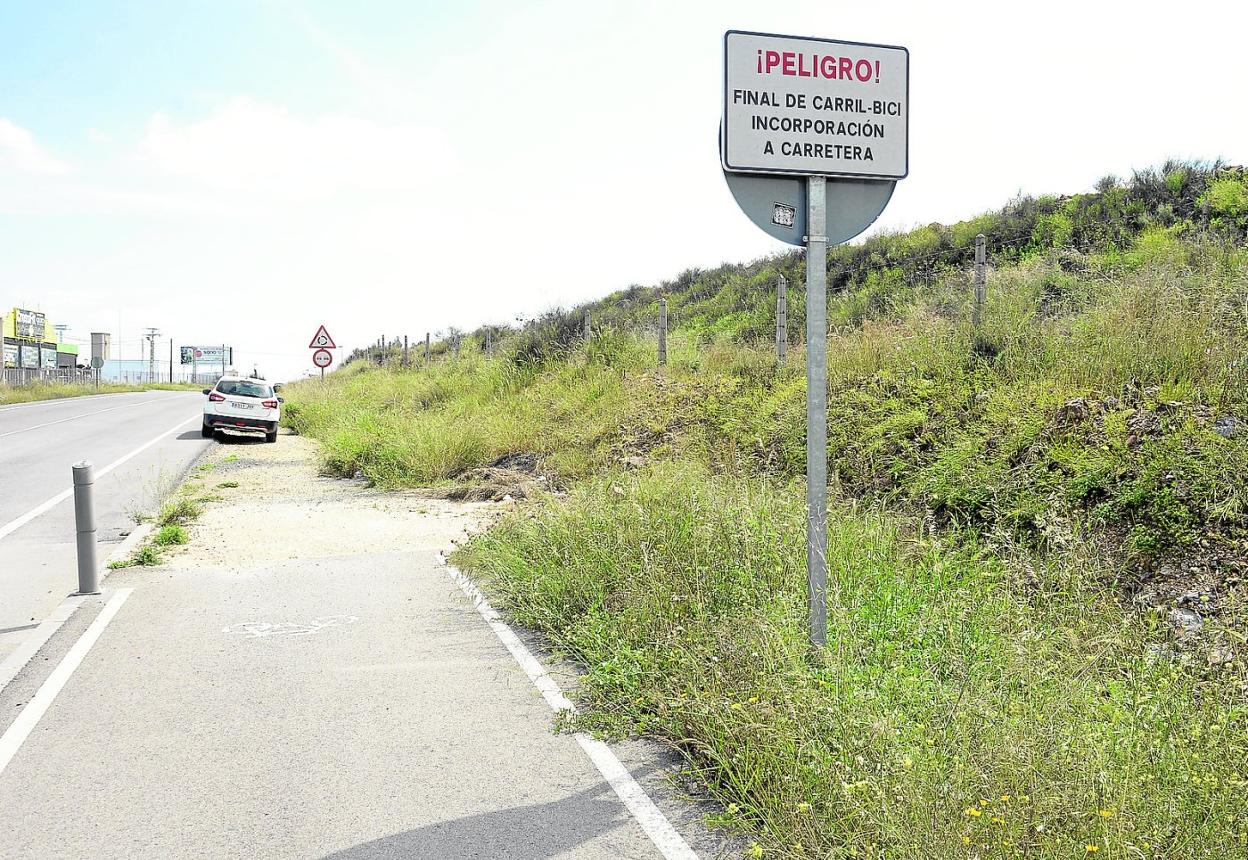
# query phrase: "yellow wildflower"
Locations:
[[972, 811], [1091, 849], [1107, 813]]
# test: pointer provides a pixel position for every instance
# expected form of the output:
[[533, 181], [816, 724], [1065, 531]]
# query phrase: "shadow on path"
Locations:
[[535, 832]]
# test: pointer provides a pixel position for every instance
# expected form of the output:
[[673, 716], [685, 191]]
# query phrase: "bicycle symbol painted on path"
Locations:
[[262, 629]]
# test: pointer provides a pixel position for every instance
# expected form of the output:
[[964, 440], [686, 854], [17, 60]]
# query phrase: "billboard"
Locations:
[[207, 354], [47, 357], [28, 324], [10, 355]]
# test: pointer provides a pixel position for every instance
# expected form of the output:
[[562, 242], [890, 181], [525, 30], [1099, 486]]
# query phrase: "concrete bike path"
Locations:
[[246, 703]]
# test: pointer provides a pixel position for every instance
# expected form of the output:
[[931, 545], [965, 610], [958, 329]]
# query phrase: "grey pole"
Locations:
[[426, 347], [981, 286], [817, 410], [782, 320], [405, 353], [589, 326], [662, 332], [489, 342], [84, 521]]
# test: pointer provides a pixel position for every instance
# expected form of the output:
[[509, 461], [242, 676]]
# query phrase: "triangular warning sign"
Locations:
[[322, 340]]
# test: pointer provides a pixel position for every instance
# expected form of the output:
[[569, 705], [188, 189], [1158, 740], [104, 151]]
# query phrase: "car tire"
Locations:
[[205, 431], [270, 437]]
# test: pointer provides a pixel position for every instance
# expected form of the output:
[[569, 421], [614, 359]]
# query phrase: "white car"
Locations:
[[242, 404]]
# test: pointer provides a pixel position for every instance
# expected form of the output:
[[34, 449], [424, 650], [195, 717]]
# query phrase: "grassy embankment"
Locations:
[[1020, 514], [55, 391]]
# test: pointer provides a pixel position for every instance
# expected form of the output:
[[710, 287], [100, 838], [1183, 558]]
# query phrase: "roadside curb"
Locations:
[[17, 660]]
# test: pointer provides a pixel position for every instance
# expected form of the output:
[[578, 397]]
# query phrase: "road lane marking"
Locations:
[[10, 527], [31, 645], [12, 740], [652, 820], [54, 401], [87, 415]]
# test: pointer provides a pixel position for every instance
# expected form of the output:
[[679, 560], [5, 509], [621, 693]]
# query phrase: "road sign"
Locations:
[[815, 133], [806, 106], [322, 358], [97, 362], [322, 340]]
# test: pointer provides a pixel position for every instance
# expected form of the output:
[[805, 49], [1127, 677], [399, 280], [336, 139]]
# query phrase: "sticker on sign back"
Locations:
[[815, 106]]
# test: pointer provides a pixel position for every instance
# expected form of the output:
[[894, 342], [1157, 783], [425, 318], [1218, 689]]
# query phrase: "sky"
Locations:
[[243, 171]]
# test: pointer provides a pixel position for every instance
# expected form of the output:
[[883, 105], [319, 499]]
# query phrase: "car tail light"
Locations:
[[216, 398], [269, 404]]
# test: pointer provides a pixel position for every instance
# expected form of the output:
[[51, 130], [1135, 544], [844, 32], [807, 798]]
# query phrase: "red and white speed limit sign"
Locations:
[[322, 358]]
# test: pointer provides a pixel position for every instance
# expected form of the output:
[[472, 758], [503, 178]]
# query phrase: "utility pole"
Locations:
[[782, 320], [589, 327], [171, 361], [981, 282], [662, 331], [405, 353], [489, 341], [426, 347], [151, 336]]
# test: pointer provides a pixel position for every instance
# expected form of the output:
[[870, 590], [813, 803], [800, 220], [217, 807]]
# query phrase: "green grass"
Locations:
[[1000, 497], [170, 535], [45, 391], [227, 485], [148, 555], [42, 391], [178, 512], [948, 683]]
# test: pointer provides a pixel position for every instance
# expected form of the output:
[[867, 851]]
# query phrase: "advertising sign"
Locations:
[[207, 354], [10, 355], [47, 358], [30, 355], [801, 105], [29, 324]]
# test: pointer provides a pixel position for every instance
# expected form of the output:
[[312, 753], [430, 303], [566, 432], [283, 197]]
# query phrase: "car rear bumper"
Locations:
[[239, 425]]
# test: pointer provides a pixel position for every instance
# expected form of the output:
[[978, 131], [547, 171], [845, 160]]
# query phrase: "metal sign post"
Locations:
[[817, 412], [814, 136], [782, 320]]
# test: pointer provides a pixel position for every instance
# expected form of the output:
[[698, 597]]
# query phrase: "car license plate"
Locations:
[[237, 405]]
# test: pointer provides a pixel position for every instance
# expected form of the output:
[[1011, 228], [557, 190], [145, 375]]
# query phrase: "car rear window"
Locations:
[[242, 388]]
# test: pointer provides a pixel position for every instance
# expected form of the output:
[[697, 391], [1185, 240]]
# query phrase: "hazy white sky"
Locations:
[[244, 171]]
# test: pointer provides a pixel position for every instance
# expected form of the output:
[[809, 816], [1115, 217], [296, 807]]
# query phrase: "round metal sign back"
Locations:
[[778, 205], [97, 362]]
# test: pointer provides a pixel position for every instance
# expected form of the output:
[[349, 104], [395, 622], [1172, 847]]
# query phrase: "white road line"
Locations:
[[85, 415], [30, 646], [54, 401], [10, 527], [670, 843], [12, 740]]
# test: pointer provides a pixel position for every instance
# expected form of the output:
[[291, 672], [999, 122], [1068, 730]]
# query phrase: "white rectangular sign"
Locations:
[[815, 106]]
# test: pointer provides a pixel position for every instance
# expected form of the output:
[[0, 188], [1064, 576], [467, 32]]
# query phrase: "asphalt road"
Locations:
[[38, 444]]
